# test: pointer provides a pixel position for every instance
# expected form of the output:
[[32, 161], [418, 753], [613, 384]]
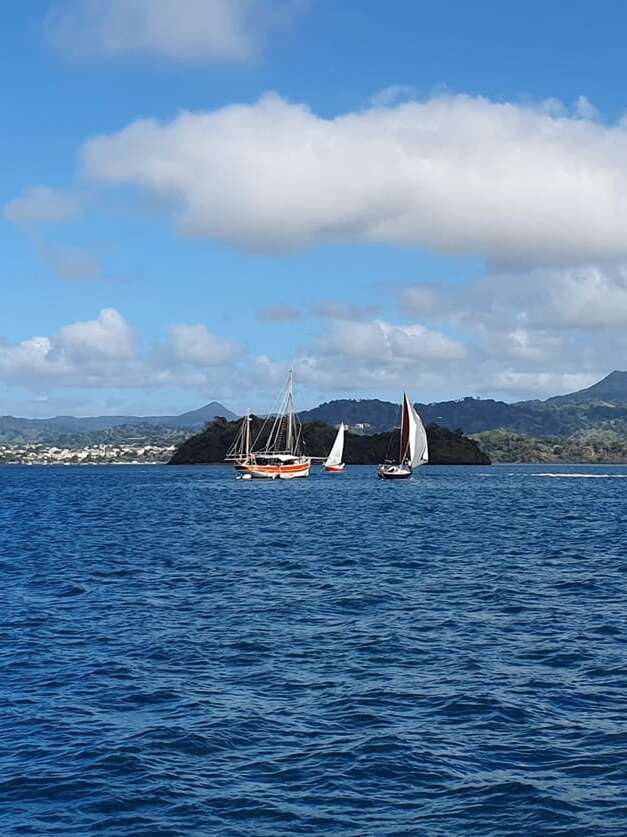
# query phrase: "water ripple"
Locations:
[[182, 654]]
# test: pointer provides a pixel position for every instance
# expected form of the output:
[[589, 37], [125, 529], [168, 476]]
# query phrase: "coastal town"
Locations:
[[98, 454]]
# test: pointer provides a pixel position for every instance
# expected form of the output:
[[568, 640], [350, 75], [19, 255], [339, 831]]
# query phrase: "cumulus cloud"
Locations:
[[93, 352], [109, 336], [106, 352], [41, 205], [382, 342], [195, 344], [29, 360], [532, 333], [458, 174], [584, 297], [364, 358], [278, 314], [178, 30]]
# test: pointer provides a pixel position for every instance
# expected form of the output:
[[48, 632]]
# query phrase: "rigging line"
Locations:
[[276, 410]]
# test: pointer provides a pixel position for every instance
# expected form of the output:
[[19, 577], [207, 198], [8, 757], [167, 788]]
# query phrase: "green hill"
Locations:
[[605, 401], [602, 445]]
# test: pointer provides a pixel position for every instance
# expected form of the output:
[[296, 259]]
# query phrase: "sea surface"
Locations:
[[185, 654]]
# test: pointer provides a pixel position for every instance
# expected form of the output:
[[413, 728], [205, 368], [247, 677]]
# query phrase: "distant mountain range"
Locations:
[[14, 429], [601, 404]]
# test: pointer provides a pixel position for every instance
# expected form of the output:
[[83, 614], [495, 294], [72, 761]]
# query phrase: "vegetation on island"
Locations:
[[600, 445], [446, 447]]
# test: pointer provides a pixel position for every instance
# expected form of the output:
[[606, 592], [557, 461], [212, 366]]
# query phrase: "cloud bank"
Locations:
[[107, 352], [457, 174]]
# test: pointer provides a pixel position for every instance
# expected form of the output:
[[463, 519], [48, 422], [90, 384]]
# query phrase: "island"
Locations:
[[446, 447]]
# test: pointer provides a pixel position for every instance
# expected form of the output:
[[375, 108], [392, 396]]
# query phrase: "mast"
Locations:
[[290, 414], [404, 441], [247, 436]]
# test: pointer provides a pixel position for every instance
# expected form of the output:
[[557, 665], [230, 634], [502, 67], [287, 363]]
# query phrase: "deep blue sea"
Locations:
[[185, 654]]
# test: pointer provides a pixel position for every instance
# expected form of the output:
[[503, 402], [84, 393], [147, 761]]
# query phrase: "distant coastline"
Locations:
[[587, 426]]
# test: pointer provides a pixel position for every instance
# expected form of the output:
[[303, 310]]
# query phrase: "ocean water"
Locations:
[[185, 654]]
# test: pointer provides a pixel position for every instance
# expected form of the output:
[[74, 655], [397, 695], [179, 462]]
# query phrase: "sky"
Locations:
[[200, 194]]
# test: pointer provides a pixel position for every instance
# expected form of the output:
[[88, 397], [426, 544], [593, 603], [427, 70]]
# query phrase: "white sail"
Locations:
[[337, 451], [418, 446]]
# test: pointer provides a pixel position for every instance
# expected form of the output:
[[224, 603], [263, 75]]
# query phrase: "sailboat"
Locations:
[[333, 463], [413, 450], [281, 455]]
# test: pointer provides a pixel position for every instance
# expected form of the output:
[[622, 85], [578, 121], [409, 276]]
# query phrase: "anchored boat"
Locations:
[[281, 455], [333, 463], [413, 450]]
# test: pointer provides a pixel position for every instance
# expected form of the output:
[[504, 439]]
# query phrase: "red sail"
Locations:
[[404, 432]]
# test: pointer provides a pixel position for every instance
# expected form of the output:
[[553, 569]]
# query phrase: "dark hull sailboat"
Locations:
[[413, 450]]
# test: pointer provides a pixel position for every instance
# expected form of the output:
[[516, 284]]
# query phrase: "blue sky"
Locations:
[[422, 195]]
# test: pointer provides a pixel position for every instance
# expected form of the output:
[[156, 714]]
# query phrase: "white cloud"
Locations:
[[585, 297], [368, 357], [531, 333], [92, 353], [195, 344], [454, 173], [109, 337], [106, 352], [31, 359], [382, 342], [365, 358], [40, 205], [178, 30]]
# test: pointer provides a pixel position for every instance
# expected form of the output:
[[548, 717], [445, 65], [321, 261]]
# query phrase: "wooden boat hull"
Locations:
[[275, 471]]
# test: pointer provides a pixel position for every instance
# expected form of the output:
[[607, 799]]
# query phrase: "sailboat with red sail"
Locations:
[[413, 449]]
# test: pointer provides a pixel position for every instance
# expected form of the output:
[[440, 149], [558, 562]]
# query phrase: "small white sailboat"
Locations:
[[281, 456], [414, 449], [333, 463]]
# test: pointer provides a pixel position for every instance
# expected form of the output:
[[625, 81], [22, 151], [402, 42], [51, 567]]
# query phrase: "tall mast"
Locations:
[[404, 431], [247, 437], [290, 414]]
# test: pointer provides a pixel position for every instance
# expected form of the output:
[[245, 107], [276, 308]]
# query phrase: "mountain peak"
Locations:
[[612, 388], [616, 375]]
